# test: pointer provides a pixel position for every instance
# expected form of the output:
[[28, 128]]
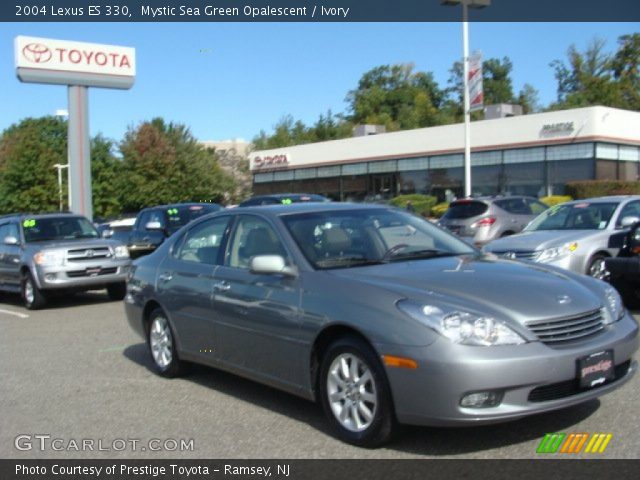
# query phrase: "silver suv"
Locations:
[[43, 254], [480, 220]]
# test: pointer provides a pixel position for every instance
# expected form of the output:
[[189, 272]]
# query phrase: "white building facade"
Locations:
[[532, 155]]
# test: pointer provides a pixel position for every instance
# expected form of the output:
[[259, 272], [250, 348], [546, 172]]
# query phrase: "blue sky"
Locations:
[[232, 80]]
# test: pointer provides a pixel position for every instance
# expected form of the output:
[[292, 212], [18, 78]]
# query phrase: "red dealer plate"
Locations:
[[595, 369]]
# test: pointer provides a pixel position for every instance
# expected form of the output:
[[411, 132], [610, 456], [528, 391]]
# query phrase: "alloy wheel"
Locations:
[[161, 342], [352, 392]]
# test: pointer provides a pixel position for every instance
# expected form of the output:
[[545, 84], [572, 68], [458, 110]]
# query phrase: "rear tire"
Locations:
[[32, 296], [162, 346], [117, 291], [355, 393]]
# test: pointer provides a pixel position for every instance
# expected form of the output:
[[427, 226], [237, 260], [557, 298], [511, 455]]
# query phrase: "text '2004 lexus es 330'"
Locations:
[[380, 316]]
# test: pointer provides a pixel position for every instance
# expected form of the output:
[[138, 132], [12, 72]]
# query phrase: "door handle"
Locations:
[[221, 286], [165, 277]]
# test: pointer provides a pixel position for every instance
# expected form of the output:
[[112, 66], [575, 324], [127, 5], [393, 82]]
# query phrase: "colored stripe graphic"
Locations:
[[551, 442], [573, 443], [598, 443]]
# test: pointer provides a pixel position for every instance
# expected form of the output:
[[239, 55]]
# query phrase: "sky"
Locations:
[[232, 80]]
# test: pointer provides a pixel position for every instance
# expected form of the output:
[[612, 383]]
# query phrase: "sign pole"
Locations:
[[467, 103], [79, 152]]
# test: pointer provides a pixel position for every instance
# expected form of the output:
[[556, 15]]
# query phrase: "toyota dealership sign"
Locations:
[[44, 60]]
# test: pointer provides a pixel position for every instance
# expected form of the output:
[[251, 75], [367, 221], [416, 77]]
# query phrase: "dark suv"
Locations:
[[480, 220], [154, 224], [43, 254], [283, 198]]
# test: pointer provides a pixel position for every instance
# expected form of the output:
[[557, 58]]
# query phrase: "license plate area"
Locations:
[[596, 369], [93, 271]]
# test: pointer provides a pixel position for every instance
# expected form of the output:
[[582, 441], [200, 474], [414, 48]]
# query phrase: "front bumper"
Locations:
[[431, 394], [82, 275]]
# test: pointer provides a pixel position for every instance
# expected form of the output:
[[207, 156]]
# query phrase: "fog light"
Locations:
[[50, 277], [481, 400]]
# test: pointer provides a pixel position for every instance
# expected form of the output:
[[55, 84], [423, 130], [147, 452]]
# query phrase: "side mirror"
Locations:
[[11, 240], [271, 265], [153, 226], [629, 221], [107, 233]]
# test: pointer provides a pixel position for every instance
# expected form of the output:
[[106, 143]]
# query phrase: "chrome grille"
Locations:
[[518, 255], [82, 254], [567, 329]]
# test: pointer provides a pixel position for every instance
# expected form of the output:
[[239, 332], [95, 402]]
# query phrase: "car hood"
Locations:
[[501, 288], [74, 244], [539, 240]]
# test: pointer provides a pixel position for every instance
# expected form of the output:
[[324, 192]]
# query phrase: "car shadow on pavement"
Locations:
[[68, 300], [410, 439]]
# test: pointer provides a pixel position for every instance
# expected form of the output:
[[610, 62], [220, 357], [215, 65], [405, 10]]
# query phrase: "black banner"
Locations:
[[317, 11], [318, 469]]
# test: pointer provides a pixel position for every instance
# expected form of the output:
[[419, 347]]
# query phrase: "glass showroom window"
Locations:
[[447, 182], [416, 181], [487, 180], [559, 173], [524, 179]]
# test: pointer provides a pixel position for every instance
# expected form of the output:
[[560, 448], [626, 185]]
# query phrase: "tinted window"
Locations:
[[252, 236], [343, 239], [575, 216], [631, 209], [202, 243], [536, 207], [465, 209], [57, 228], [516, 206], [178, 216]]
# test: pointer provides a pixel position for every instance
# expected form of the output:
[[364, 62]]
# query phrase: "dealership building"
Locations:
[[529, 154]]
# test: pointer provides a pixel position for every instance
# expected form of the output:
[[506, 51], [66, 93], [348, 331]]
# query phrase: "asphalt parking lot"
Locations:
[[76, 371]]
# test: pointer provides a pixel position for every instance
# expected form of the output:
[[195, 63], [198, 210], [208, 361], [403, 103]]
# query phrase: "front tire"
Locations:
[[355, 393], [32, 296], [161, 343], [117, 291], [597, 267]]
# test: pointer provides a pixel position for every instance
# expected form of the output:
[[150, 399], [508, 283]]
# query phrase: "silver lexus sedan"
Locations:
[[378, 315], [576, 235]]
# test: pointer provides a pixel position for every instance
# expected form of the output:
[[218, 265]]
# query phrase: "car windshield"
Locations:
[[574, 216], [57, 228], [351, 238], [179, 216]]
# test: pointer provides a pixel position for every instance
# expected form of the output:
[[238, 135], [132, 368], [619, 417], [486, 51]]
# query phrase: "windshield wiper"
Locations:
[[346, 262], [418, 254]]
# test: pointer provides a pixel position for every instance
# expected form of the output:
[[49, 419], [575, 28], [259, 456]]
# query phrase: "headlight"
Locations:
[[614, 309], [49, 258], [557, 252], [121, 251], [462, 327]]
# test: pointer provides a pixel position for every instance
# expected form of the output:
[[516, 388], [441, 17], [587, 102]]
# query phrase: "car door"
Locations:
[[185, 286], [11, 256], [4, 248], [519, 214], [144, 241], [257, 315]]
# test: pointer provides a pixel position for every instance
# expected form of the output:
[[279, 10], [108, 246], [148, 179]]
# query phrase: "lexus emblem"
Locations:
[[563, 299], [36, 53]]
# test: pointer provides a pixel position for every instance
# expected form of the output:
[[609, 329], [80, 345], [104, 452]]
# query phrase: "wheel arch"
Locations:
[[322, 341]]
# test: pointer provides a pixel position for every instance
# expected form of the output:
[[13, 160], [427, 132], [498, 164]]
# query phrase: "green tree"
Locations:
[[528, 98], [163, 163], [586, 78], [106, 178], [28, 151], [397, 97], [626, 69]]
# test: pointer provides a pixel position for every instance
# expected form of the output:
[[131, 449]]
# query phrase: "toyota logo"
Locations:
[[36, 53], [90, 253]]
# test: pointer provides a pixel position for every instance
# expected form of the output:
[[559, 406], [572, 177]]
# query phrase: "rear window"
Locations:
[[465, 209]]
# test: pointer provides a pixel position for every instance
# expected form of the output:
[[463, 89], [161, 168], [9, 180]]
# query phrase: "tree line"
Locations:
[[401, 98], [156, 162]]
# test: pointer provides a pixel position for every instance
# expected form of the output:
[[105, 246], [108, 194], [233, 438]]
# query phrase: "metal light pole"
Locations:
[[60, 167], [465, 61]]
